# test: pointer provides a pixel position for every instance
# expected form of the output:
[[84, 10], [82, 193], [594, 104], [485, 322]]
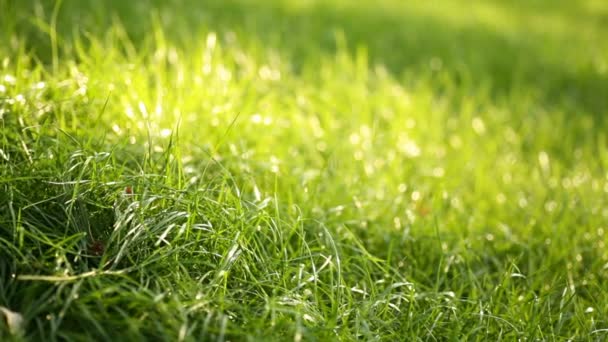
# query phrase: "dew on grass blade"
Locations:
[[354, 138], [267, 73], [455, 142], [550, 206], [165, 132], [256, 118], [408, 146], [543, 160], [522, 202], [478, 126], [416, 196], [211, 40], [10, 79], [438, 172], [129, 112], [397, 223], [116, 128], [142, 109]]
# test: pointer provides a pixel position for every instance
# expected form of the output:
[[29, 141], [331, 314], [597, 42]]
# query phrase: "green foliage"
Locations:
[[304, 170]]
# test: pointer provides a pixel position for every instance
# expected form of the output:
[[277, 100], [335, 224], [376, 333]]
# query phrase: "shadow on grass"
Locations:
[[408, 39]]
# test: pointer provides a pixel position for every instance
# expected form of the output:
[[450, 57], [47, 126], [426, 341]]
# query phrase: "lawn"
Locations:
[[301, 170]]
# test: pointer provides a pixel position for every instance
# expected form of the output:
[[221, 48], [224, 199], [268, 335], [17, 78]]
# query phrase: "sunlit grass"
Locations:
[[300, 170]]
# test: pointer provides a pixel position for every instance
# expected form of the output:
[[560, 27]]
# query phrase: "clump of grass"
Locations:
[[186, 171]]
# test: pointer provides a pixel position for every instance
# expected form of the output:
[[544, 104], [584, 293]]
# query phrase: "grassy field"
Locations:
[[304, 170]]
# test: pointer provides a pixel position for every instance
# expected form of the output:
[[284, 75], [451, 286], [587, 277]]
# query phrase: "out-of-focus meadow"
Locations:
[[244, 170]]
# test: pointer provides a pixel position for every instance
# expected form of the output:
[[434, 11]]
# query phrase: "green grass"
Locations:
[[304, 170]]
